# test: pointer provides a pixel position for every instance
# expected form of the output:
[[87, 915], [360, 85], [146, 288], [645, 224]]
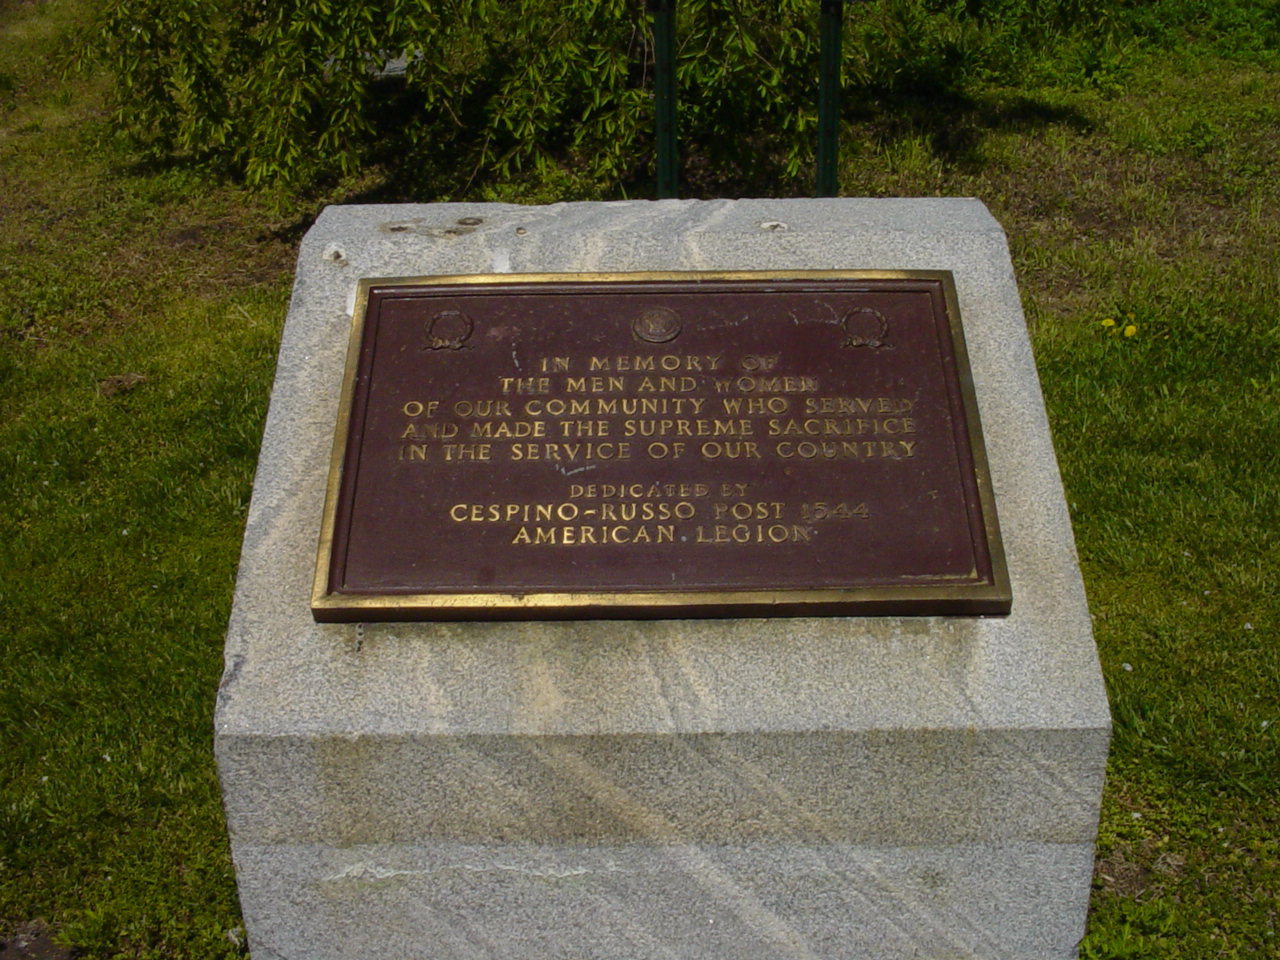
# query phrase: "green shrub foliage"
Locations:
[[287, 92]]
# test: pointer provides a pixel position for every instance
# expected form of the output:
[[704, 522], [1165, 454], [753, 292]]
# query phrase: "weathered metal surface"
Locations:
[[646, 445]]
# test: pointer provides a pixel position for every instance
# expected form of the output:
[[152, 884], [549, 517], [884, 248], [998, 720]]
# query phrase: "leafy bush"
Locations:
[[291, 91]]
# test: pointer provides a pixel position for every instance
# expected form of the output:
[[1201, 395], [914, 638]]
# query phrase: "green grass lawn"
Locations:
[[141, 311]]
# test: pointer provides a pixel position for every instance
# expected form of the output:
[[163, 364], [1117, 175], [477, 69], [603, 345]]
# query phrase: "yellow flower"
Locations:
[[1130, 330], [1108, 322], [1128, 316]]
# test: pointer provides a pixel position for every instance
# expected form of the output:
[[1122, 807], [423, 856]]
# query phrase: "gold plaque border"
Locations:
[[967, 598]]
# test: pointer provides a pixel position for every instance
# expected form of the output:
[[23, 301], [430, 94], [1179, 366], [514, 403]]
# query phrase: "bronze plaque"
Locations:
[[658, 445]]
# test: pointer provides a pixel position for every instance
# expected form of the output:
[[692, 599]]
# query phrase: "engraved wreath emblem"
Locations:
[[448, 330], [865, 327]]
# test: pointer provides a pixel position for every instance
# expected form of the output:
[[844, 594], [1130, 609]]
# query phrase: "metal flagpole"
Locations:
[[664, 31], [832, 20]]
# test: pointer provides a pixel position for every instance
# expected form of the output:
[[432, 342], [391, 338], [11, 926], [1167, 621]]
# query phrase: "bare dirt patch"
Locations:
[[1122, 876], [119, 383], [32, 941]]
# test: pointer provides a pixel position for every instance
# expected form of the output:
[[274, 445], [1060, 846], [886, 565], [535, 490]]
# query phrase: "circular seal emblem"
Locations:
[[448, 330], [656, 325]]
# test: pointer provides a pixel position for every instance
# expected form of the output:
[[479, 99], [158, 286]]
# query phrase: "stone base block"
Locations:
[[718, 902], [833, 787]]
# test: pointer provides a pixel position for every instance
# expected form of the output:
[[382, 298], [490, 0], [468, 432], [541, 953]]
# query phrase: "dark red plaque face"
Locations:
[[645, 445]]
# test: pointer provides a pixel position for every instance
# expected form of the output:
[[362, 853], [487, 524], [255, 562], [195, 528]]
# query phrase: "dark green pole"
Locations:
[[664, 36], [832, 17]]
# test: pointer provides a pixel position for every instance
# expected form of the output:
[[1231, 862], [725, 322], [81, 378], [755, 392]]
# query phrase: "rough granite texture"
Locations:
[[802, 788]]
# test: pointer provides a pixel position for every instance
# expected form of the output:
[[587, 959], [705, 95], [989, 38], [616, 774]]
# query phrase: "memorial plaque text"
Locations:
[[644, 445]]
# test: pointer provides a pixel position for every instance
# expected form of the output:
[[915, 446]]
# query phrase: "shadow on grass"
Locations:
[[414, 157], [955, 124]]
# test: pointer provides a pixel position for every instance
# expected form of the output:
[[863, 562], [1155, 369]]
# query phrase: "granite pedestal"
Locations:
[[590, 790]]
